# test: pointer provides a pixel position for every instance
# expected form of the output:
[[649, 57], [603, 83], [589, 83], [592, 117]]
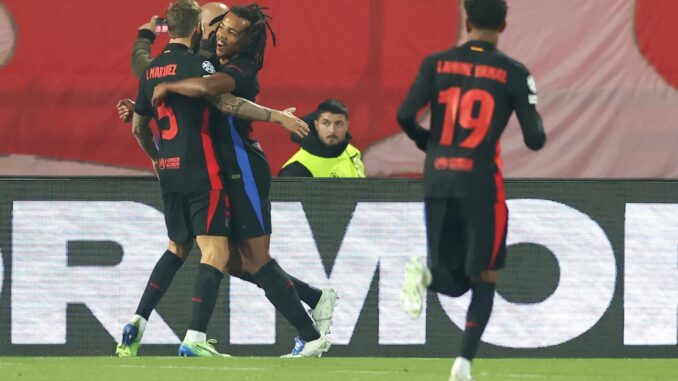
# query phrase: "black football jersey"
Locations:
[[188, 161], [244, 71], [472, 90]]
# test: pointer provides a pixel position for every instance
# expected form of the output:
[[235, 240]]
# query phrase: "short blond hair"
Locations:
[[183, 16]]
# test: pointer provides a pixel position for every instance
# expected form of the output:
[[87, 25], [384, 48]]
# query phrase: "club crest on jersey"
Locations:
[[208, 67]]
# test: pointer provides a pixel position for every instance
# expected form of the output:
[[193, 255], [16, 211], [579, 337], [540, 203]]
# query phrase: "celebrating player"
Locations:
[[241, 43], [195, 199], [472, 91]]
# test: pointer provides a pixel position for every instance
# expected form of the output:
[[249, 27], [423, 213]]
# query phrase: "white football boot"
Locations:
[[314, 348], [417, 278], [461, 370], [323, 311]]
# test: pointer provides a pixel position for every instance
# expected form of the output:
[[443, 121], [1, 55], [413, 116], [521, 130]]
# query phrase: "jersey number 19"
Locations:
[[461, 107]]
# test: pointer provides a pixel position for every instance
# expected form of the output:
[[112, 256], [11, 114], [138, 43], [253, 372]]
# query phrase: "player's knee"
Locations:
[[235, 265], [217, 260], [253, 256], [214, 251], [254, 263], [181, 250], [489, 276]]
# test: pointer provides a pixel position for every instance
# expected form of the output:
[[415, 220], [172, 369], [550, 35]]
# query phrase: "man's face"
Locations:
[[230, 34], [332, 128]]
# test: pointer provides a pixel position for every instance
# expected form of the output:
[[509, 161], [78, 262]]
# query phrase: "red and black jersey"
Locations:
[[472, 91], [188, 161]]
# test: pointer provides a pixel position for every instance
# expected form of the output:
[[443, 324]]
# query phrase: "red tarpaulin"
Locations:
[[606, 72]]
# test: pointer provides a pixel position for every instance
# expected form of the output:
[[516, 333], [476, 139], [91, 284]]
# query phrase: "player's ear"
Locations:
[[469, 26], [502, 28]]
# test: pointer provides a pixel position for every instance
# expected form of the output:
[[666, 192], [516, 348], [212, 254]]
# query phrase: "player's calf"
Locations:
[[280, 291]]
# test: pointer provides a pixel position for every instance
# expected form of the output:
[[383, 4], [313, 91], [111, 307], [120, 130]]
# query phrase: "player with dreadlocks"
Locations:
[[241, 45]]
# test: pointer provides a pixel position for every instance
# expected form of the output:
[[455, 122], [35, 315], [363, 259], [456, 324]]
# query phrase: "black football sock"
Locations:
[[307, 293], [447, 283], [477, 317], [204, 297], [160, 280], [247, 277], [280, 291]]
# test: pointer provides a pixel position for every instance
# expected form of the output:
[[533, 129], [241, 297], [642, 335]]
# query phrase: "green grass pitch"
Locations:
[[328, 369]]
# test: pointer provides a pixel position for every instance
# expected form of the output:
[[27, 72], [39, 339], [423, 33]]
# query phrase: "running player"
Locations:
[[472, 91], [241, 43]]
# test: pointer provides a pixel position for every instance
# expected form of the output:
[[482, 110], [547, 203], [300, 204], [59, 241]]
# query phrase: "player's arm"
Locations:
[[141, 51], [247, 110], [142, 132], [418, 97], [212, 86], [141, 126], [236, 74], [524, 99]]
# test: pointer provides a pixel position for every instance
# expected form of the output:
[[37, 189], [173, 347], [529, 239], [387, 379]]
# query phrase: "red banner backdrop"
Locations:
[[64, 64]]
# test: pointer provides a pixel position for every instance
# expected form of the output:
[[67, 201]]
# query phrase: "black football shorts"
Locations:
[[188, 215], [249, 186], [466, 234]]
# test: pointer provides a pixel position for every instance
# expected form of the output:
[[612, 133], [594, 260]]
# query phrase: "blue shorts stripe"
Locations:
[[246, 169]]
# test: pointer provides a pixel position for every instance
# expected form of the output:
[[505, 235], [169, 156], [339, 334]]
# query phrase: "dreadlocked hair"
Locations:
[[254, 40]]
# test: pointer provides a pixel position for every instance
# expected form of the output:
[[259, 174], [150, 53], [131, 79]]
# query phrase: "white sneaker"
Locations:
[[314, 348], [461, 370], [322, 313], [417, 278]]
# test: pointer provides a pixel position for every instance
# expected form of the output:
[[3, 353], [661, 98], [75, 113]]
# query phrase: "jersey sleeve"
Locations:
[[143, 103], [418, 97], [523, 91], [204, 68], [242, 70]]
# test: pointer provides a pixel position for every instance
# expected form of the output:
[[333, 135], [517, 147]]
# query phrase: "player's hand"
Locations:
[[291, 123], [156, 168], [421, 139], [125, 110], [160, 93], [150, 25]]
